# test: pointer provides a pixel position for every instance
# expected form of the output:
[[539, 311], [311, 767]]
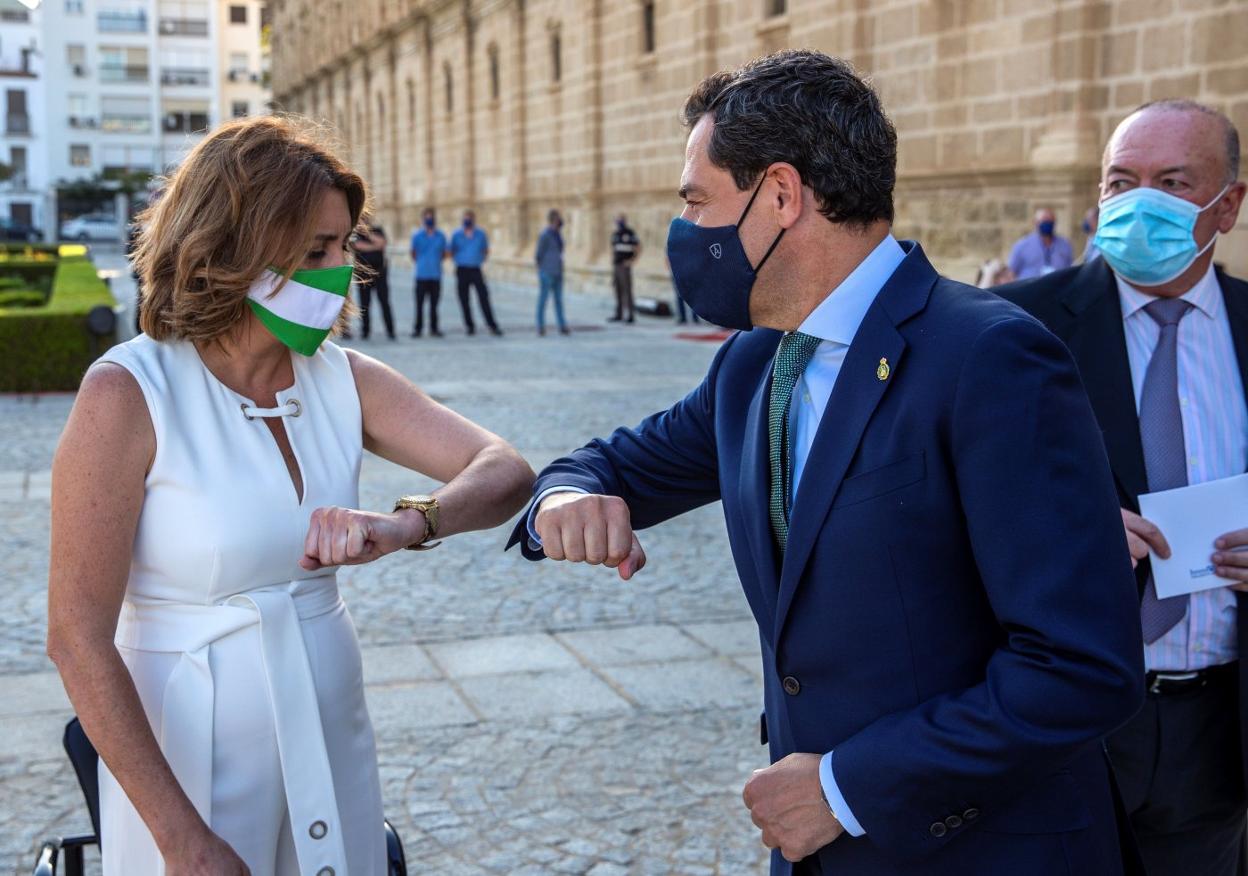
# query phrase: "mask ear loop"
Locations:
[[758, 188]]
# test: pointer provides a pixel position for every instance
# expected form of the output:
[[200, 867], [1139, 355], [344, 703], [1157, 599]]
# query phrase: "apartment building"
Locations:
[[23, 154]]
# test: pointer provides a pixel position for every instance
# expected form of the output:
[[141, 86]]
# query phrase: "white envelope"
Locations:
[[1191, 518]]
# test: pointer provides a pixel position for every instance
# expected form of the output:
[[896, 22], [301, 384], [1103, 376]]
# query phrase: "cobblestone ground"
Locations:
[[531, 718]]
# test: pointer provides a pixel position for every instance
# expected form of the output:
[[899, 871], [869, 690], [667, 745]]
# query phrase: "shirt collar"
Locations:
[[1204, 296], [840, 313]]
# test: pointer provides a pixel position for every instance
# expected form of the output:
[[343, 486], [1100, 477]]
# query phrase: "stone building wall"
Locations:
[[1000, 105]]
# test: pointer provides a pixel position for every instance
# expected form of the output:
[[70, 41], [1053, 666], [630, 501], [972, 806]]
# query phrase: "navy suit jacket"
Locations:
[[955, 614]]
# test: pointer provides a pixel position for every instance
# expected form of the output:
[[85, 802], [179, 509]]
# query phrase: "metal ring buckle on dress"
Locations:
[[318, 830], [298, 407], [243, 407]]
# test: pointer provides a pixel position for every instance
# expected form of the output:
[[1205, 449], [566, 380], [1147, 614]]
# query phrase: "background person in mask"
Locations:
[[200, 496], [1161, 339], [428, 249], [1042, 251], [897, 456], [549, 258], [470, 247], [625, 250]]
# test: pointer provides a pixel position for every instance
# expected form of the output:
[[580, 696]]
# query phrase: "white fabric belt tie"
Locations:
[[187, 716]]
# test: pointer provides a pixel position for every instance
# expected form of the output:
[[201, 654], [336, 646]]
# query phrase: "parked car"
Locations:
[[92, 226], [11, 229]]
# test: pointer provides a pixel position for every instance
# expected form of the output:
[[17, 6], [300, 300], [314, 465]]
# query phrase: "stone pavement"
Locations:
[[531, 718]]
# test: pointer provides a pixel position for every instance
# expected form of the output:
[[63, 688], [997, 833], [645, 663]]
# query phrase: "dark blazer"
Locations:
[[1081, 306], [955, 615]]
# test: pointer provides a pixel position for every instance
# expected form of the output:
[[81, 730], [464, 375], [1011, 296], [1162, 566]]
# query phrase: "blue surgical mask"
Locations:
[[1145, 235], [1045, 228], [428, 221], [468, 223], [711, 270]]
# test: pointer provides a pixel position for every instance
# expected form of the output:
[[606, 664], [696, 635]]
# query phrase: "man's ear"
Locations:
[[1232, 201], [788, 193]]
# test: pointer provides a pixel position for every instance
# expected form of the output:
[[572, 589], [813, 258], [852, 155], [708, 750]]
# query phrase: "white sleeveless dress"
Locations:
[[247, 665]]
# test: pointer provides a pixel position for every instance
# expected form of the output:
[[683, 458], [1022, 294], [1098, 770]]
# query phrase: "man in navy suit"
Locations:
[[918, 502]]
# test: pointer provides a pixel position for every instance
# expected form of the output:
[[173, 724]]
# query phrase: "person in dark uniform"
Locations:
[[470, 247], [625, 249], [370, 251], [429, 248]]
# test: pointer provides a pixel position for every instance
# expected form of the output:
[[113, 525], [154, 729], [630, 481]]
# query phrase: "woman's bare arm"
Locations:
[[486, 480], [97, 494]]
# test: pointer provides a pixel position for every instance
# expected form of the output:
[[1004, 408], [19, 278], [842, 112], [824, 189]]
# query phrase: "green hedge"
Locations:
[[49, 348]]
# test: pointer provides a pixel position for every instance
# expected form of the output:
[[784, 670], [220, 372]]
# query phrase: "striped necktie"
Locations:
[[794, 355]]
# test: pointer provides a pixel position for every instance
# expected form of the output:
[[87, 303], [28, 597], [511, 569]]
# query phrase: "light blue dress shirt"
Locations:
[[835, 322]]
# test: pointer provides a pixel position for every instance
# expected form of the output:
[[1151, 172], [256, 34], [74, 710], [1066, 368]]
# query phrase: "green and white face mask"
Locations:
[[304, 311]]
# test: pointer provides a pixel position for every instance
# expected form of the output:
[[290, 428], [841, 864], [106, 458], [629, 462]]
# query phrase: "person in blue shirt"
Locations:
[[428, 250], [470, 247], [549, 257]]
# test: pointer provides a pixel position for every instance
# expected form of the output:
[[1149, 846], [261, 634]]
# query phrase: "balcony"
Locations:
[[243, 76], [123, 72], [122, 22], [126, 123], [185, 76], [81, 122], [185, 122], [17, 123], [183, 27]]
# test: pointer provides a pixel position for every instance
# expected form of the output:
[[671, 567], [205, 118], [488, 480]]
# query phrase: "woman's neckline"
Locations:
[[277, 394]]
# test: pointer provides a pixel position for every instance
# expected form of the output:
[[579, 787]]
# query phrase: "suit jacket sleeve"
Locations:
[[1047, 538], [664, 467]]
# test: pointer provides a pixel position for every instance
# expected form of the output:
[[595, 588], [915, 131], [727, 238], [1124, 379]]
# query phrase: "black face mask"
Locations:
[[711, 270]]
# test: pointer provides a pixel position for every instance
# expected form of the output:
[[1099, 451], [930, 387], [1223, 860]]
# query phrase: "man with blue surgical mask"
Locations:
[[1043, 251], [1161, 338], [896, 456]]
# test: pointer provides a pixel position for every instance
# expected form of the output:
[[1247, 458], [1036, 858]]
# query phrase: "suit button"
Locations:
[[970, 814], [791, 685], [953, 822], [938, 829]]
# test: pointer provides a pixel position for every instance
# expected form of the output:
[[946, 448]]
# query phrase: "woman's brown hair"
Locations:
[[245, 199]]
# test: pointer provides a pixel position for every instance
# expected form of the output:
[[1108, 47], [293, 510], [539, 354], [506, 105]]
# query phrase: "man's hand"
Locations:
[[1142, 535], [590, 529], [346, 537], [1231, 559], [786, 804]]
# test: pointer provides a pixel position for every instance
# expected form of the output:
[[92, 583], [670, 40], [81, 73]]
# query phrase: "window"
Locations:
[[80, 155], [776, 7], [76, 58], [185, 117], [122, 20], [411, 104], [556, 57], [238, 15], [129, 115], [16, 119], [647, 27], [238, 65], [73, 7], [379, 123], [123, 64], [495, 85], [450, 88], [17, 162], [238, 109]]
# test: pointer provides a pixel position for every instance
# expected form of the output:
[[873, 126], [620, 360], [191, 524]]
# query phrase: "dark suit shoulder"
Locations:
[[963, 312], [1040, 295]]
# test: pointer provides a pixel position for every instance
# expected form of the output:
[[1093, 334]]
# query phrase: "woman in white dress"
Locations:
[[202, 496]]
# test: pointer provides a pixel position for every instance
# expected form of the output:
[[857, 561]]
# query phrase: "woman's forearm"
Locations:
[[103, 695], [492, 488]]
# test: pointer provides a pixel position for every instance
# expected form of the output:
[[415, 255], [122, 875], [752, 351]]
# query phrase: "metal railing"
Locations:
[[184, 26], [124, 72], [17, 123], [115, 21], [185, 76], [130, 123]]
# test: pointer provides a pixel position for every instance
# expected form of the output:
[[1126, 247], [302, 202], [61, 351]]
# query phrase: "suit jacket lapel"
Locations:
[[755, 487], [1099, 344], [854, 398]]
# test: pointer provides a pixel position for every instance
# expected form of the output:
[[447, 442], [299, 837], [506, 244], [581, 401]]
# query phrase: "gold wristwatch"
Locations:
[[427, 505]]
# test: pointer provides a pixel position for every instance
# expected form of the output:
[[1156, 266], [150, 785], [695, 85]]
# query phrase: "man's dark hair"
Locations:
[[813, 112], [1228, 127], [553, 216], [429, 211]]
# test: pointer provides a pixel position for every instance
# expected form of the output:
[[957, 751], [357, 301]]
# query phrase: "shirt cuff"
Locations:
[[836, 799], [535, 543]]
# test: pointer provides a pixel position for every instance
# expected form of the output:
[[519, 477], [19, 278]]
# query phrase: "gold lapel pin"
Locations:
[[882, 372]]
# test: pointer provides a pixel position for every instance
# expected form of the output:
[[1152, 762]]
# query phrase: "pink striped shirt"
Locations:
[[1215, 434]]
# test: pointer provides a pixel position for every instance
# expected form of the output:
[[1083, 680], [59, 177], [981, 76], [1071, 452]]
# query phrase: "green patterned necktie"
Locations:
[[791, 360]]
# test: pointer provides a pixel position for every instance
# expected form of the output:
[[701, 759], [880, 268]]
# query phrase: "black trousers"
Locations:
[[1179, 767], [430, 291], [379, 285], [622, 277], [466, 279]]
